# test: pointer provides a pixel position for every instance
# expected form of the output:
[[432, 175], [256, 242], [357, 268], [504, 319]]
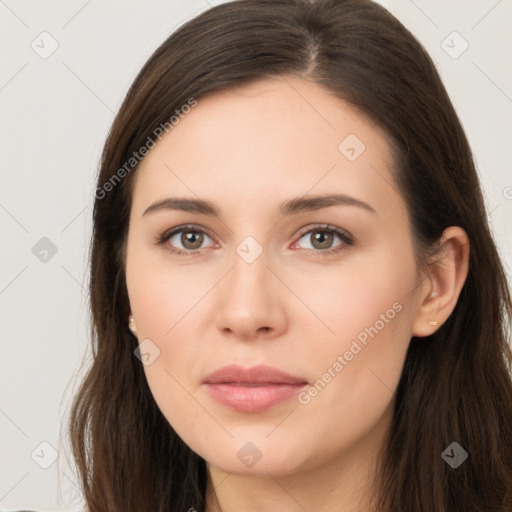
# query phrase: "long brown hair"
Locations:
[[455, 386]]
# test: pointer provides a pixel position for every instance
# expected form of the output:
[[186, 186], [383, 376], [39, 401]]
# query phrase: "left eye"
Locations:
[[321, 239]]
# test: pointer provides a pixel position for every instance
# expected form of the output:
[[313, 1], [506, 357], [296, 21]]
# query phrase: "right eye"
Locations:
[[191, 239]]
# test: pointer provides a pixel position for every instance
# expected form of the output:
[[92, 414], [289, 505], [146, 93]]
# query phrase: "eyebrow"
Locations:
[[289, 207]]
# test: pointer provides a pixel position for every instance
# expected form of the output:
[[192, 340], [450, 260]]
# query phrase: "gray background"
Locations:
[[56, 110]]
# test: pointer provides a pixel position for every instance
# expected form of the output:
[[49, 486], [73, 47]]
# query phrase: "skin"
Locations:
[[247, 150]]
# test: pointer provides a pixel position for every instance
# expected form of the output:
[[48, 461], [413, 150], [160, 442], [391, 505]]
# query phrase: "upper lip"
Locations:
[[261, 374]]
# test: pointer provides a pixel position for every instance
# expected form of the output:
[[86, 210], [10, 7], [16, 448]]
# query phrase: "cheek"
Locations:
[[361, 293], [360, 346], [160, 294], [168, 304], [166, 310]]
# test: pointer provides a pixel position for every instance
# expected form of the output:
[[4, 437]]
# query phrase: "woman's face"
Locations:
[[264, 281]]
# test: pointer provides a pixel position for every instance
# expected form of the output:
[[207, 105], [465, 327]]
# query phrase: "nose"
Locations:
[[250, 301]]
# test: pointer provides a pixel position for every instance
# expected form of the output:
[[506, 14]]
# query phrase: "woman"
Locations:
[[236, 368]]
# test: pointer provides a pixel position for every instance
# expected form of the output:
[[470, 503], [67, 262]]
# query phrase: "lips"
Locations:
[[252, 389], [261, 374]]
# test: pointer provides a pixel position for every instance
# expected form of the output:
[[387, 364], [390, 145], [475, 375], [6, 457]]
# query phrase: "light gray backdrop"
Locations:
[[66, 66]]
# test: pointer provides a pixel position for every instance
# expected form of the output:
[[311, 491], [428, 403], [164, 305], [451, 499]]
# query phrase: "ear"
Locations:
[[444, 281]]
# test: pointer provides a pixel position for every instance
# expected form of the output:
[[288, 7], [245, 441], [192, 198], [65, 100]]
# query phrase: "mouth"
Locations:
[[254, 389]]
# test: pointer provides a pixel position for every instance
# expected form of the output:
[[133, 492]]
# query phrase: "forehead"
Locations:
[[268, 138]]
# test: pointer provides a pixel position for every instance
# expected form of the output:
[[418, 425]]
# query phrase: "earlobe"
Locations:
[[131, 325], [446, 277]]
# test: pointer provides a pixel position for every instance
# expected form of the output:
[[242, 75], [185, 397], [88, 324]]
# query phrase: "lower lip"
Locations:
[[253, 398]]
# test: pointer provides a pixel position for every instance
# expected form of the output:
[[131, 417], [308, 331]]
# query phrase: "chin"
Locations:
[[258, 457]]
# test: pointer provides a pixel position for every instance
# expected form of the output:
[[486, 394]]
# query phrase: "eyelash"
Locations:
[[327, 228]]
